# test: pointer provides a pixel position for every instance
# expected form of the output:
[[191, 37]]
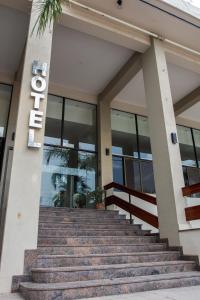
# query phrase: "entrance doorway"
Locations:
[[70, 158]]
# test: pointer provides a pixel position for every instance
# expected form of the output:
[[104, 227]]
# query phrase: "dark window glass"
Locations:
[[148, 184], [5, 97], [132, 174], [186, 146], [196, 134], [53, 120], [144, 138], [124, 138], [118, 173], [79, 125], [191, 176]]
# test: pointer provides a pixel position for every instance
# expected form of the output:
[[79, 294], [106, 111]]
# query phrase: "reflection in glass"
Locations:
[[5, 97], [53, 120], [196, 134], [144, 138], [124, 138], [67, 177], [191, 176], [186, 146], [147, 175], [79, 125], [118, 173], [132, 174]]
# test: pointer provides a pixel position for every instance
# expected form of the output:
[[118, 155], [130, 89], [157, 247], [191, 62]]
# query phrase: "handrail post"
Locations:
[[105, 196], [131, 218]]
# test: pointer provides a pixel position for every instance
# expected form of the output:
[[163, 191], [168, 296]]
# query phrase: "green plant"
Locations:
[[59, 199], [80, 200], [48, 12], [97, 195]]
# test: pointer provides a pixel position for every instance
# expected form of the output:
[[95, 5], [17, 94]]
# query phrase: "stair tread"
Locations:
[[97, 237], [93, 224], [90, 229], [107, 254], [104, 282], [96, 245], [111, 266]]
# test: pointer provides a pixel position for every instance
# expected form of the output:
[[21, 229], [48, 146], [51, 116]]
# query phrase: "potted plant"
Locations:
[[97, 196]]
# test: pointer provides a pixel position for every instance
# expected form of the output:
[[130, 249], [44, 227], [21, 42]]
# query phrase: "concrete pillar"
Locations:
[[166, 155], [104, 143], [23, 201]]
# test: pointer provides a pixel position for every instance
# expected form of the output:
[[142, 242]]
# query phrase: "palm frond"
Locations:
[[58, 153], [48, 12]]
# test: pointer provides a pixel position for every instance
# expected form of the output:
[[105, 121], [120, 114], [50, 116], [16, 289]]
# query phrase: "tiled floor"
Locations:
[[190, 293]]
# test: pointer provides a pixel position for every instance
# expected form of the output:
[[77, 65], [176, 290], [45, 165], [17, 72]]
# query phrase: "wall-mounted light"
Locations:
[[174, 138], [119, 3], [107, 151]]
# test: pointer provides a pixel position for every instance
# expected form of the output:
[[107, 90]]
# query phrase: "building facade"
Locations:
[[107, 94]]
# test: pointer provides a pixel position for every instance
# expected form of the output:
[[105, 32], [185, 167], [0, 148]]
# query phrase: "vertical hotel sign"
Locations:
[[38, 88]]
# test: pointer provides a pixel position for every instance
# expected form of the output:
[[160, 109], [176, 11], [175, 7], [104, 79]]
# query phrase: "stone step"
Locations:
[[71, 210], [91, 232], [97, 288], [75, 215], [78, 226], [92, 240], [85, 273], [98, 249], [79, 212], [81, 220], [45, 261]]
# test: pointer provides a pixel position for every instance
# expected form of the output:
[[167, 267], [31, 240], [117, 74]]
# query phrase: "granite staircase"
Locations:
[[86, 253]]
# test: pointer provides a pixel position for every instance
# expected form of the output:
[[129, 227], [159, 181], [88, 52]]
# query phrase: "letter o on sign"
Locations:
[[38, 84]]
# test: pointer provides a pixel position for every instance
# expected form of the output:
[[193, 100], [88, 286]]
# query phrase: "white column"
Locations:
[[166, 155], [104, 143], [23, 201]]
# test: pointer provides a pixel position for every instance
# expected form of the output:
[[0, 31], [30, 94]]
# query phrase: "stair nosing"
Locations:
[[108, 255], [111, 266], [101, 245], [107, 282]]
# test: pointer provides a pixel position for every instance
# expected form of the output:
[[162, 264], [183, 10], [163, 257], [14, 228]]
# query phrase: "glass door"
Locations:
[[70, 156]]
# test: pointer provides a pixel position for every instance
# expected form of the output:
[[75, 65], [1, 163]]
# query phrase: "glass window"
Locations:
[[79, 125], [68, 175], [186, 146], [5, 95], [124, 139], [53, 120], [132, 174], [118, 170], [144, 138], [196, 134], [148, 185]]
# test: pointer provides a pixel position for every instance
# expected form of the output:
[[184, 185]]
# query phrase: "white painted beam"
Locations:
[[187, 102], [122, 78]]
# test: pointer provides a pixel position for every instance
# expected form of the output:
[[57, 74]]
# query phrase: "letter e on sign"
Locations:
[[35, 120]]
